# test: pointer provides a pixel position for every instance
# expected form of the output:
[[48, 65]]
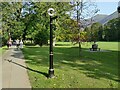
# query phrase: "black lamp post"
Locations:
[[51, 12], [119, 9], [51, 70]]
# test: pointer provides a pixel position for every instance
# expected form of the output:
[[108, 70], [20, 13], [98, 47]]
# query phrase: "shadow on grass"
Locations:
[[62, 44], [5, 48], [95, 65], [45, 74]]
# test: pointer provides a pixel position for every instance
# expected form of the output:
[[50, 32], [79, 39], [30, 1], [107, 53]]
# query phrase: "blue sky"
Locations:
[[107, 7]]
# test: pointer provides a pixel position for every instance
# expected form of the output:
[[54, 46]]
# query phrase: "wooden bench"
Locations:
[[94, 47]]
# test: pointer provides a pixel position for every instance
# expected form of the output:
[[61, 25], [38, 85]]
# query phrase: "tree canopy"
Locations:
[[30, 21]]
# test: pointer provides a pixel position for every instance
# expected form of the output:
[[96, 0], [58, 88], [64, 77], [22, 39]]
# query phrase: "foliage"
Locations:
[[95, 28], [11, 20], [43, 17], [108, 32], [68, 31], [41, 38], [27, 20], [24, 20], [112, 30]]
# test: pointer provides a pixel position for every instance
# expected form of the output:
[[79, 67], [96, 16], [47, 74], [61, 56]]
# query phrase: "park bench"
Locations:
[[94, 47]]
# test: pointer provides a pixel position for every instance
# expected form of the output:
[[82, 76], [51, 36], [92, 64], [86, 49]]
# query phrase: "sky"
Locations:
[[107, 7]]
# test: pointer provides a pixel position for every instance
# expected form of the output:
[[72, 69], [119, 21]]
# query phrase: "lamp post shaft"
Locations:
[[118, 9], [51, 70]]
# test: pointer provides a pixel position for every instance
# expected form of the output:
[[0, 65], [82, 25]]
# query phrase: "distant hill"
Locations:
[[108, 18], [101, 18]]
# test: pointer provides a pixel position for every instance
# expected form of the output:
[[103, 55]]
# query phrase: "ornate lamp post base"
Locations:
[[51, 73]]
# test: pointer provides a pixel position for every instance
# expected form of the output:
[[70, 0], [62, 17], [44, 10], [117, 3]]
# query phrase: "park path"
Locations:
[[14, 75]]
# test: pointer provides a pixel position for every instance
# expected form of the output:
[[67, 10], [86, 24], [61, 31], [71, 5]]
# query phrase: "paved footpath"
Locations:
[[14, 75]]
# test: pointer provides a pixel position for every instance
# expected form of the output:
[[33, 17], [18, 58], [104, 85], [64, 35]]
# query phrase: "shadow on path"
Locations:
[[45, 74]]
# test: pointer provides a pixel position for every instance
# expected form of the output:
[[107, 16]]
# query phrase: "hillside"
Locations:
[[101, 18], [108, 18]]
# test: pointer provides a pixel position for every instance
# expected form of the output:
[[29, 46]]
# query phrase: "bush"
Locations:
[[41, 38], [3, 40], [29, 44]]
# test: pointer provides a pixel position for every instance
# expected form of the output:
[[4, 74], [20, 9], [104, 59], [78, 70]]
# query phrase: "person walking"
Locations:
[[17, 44], [21, 43], [8, 44]]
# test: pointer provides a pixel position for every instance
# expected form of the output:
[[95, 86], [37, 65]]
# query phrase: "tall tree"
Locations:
[[95, 28], [112, 30], [43, 17], [81, 10], [11, 23]]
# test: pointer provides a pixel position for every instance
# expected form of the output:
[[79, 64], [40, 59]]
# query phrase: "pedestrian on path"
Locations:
[[9, 43], [17, 44], [21, 43]]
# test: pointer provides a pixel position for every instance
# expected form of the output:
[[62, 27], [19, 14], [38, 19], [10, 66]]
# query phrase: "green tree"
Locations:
[[95, 32], [11, 24], [42, 17], [112, 30], [41, 38]]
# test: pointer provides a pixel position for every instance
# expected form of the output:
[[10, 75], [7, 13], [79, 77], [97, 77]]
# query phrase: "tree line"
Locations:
[[107, 32], [30, 21]]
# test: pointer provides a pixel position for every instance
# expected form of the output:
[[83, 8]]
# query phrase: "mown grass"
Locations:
[[0, 49], [90, 70], [3, 49]]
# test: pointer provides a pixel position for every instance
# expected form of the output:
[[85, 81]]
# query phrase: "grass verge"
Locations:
[[90, 70]]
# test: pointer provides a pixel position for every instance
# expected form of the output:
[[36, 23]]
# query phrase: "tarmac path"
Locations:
[[13, 73]]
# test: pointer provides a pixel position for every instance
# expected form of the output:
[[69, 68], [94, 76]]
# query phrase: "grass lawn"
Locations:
[[3, 49], [0, 49], [90, 70]]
